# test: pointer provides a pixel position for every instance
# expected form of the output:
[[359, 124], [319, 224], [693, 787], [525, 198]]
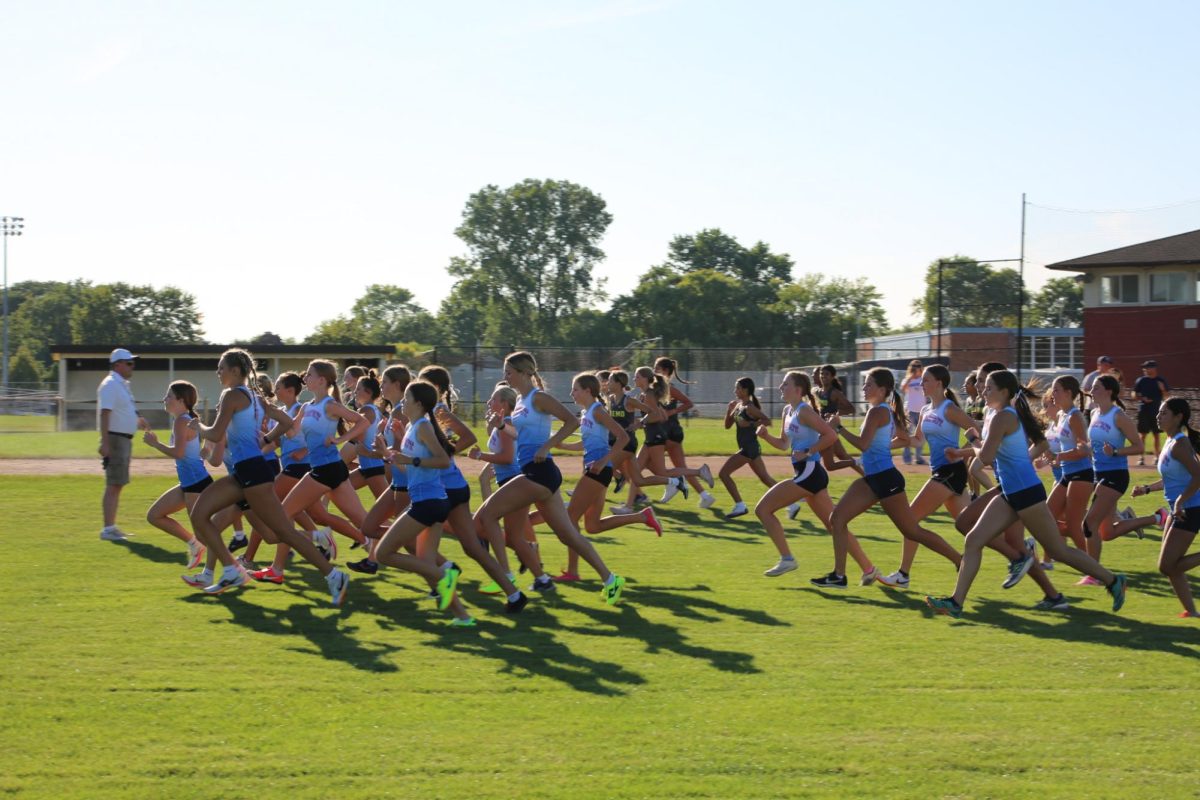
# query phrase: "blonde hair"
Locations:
[[523, 362]]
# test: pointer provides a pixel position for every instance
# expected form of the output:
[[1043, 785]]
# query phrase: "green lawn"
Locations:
[[709, 681], [703, 437]]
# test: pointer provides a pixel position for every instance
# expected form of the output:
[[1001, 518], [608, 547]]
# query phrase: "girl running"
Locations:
[[1179, 469], [596, 428], [184, 447], [834, 401], [371, 472], [1022, 496], [805, 435], [539, 481], [882, 482], [654, 395], [677, 404], [239, 423], [1070, 457], [1113, 437], [392, 502], [745, 413], [623, 408], [938, 423], [322, 422]]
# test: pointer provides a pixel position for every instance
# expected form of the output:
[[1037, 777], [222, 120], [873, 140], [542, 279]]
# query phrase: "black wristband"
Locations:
[[416, 461]]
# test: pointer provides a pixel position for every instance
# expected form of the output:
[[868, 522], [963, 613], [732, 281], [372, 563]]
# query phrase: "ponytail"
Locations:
[[803, 382], [523, 361], [1180, 407], [328, 370], [1018, 395], [427, 395], [747, 385], [185, 393], [439, 377], [884, 379], [1113, 386], [669, 368], [1071, 384], [942, 376]]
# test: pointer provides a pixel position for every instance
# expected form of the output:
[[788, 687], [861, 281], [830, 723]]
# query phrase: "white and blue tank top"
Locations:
[[939, 432], [190, 467], [533, 427], [371, 462], [1062, 439], [799, 435], [424, 483], [1175, 476], [495, 444], [1103, 429], [594, 435], [1014, 469], [291, 444], [318, 428], [877, 455], [244, 434]]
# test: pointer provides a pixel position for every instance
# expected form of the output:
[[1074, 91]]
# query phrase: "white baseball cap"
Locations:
[[121, 354]]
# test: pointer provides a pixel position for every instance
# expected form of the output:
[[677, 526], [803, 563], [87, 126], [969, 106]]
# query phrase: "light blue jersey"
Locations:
[[1062, 440], [1014, 469], [424, 483], [939, 432], [399, 473], [370, 462], [799, 435], [877, 455], [244, 434], [533, 428], [1175, 476], [594, 435], [452, 477], [495, 444], [289, 445], [190, 468], [1104, 430], [318, 428]]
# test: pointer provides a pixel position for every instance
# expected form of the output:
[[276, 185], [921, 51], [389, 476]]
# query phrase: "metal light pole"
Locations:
[[9, 226]]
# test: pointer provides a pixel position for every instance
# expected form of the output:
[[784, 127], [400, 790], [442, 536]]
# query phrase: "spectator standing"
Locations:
[[118, 420], [1104, 366], [1149, 391]]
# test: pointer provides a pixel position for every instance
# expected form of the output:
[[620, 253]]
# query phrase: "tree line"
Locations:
[[527, 277]]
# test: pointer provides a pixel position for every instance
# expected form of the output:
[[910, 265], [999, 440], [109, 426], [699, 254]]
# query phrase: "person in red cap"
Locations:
[[118, 419]]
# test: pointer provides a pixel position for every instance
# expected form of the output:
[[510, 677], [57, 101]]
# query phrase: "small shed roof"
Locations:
[[1182, 248]]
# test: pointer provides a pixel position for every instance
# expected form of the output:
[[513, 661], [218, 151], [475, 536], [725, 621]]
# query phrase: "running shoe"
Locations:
[[1087, 580], [338, 583], [1052, 603], [1047, 565], [247, 564], [570, 492], [199, 580], [707, 500], [921, 461], [651, 520], [1017, 570], [1125, 514], [671, 490], [366, 566], [611, 592], [784, 565], [897, 580], [944, 605], [268, 575], [1161, 517], [330, 543], [544, 585], [1188, 615], [738, 510], [455, 622], [618, 483], [533, 546], [446, 585], [112, 535], [238, 542], [491, 587], [1030, 545], [706, 475], [1117, 590], [683, 487], [226, 582], [869, 577], [830, 581], [641, 500], [195, 553], [515, 606], [566, 577], [794, 510], [620, 509]]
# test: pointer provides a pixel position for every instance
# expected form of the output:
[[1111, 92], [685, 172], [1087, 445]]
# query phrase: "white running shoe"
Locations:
[[195, 553], [227, 582], [794, 510], [620, 509], [199, 580], [707, 500], [785, 565], [738, 510], [671, 490], [897, 580], [869, 577], [113, 535], [706, 475], [338, 581], [1031, 546]]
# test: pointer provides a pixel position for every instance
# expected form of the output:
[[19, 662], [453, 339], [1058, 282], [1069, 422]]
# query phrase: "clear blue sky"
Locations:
[[299, 151]]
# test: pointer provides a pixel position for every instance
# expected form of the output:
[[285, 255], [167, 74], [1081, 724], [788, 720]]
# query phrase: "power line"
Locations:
[[1116, 210]]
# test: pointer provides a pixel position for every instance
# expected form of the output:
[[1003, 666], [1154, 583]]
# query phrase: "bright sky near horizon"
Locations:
[[274, 158]]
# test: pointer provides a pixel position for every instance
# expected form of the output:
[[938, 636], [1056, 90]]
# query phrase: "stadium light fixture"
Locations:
[[9, 226]]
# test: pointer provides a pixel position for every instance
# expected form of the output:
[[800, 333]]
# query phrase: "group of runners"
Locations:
[[397, 434]]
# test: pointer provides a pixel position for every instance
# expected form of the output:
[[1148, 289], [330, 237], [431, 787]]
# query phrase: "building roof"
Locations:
[[1182, 248], [159, 350]]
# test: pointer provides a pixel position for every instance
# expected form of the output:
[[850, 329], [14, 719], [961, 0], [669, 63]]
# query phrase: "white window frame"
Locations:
[[1136, 276], [1183, 298]]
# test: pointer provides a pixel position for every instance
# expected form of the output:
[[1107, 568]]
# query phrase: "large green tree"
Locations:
[[974, 294], [124, 313], [829, 312], [42, 318], [1058, 305], [384, 314], [531, 251]]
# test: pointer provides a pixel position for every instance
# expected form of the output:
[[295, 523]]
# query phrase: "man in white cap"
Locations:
[[118, 420]]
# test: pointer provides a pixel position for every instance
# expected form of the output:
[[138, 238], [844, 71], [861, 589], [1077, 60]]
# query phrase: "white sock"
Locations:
[[206, 572], [512, 598], [610, 579], [239, 534], [229, 571], [705, 494]]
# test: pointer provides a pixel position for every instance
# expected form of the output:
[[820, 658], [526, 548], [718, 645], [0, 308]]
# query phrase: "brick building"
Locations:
[[1143, 301], [964, 349]]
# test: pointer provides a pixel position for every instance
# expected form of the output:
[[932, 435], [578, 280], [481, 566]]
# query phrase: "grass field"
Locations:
[[709, 681], [703, 437]]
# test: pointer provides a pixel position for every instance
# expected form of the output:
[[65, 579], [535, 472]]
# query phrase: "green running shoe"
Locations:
[[612, 592], [944, 605], [1117, 590], [469, 622], [446, 585]]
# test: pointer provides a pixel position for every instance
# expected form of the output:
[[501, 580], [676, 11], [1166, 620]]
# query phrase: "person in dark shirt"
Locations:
[[1149, 390]]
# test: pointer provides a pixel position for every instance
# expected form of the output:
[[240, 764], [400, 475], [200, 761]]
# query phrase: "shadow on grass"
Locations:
[[694, 525], [159, 555]]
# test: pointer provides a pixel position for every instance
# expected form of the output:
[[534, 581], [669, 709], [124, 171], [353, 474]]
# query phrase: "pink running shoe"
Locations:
[[651, 520], [566, 577], [1162, 517], [1088, 580]]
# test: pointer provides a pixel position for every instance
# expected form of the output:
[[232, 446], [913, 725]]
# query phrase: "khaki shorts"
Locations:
[[119, 449]]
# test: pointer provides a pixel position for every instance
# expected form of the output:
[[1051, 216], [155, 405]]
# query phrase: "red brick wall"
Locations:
[[968, 350], [1132, 335]]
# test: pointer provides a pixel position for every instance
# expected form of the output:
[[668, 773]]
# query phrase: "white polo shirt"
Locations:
[[116, 396]]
